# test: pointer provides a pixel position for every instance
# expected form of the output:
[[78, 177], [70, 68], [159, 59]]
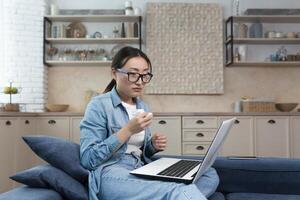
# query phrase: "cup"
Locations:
[[137, 11], [271, 34], [279, 35], [243, 52], [291, 35], [238, 106], [54, 10]]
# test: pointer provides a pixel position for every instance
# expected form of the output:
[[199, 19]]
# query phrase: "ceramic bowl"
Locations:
[[56, 107], [286, 107]]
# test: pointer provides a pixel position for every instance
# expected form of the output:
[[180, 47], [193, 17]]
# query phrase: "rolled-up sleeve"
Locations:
[[95, 145]]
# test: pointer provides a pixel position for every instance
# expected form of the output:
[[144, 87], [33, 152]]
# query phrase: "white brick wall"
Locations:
[[21, 41]]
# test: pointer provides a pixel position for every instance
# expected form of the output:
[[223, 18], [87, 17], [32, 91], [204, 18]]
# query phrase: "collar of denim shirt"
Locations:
[[116, 100]]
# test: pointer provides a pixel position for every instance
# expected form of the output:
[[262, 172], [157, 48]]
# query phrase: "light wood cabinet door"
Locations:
[[295, 136], [54, 126], [240, 140], [272, 136], [24, 155], [75, 129], [171, 127], [199, 122], [8, 127]]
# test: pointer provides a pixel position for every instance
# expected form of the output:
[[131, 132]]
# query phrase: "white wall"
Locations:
[[22, 43], [68, 84]]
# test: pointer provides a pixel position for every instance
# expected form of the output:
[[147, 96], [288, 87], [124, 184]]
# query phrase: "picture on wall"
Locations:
[[185, 44]]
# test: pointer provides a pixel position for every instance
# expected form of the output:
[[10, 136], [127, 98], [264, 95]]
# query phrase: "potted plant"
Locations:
[[11, 90]]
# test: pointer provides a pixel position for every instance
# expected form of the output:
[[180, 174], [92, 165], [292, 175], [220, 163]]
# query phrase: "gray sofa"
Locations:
[[240, 179]]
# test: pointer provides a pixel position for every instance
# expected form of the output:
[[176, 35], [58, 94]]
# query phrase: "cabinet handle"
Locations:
[[8, 123], [27, 121], [200, 148], [200, 121], [271, 121], [236, 121], [200, 135], [162, 122], [51, 121]]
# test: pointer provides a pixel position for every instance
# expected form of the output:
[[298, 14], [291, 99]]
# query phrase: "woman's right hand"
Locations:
[[139, 123], [134, 126]]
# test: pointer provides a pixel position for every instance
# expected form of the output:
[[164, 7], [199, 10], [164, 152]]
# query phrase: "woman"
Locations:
[[115, 138]]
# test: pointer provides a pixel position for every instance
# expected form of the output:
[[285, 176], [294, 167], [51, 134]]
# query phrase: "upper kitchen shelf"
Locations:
[[72, 49], [238, 24], [92, 18], [266, 18]]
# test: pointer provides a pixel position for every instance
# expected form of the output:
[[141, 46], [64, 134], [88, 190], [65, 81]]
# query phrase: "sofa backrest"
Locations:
[[261, 175]]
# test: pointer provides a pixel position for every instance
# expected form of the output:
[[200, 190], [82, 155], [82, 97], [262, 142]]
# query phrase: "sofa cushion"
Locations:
[[262, 175], [60, 153], [47, 176], [217, 196], [257, 196], [28, 193]]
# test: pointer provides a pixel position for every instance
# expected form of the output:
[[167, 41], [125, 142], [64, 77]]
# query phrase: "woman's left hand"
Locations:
[[159, 141]]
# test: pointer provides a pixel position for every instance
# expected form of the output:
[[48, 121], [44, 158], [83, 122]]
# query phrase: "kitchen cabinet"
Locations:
[[197, 134], [52, 126], [75, 129], [94, 55], [232, 42], [23, 154], [295, 136], [9, 128], [24, 157], [171, 127], [240, 140], [272, 136]]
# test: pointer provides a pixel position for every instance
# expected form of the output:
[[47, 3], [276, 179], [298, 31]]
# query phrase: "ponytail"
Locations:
[[110, 86]]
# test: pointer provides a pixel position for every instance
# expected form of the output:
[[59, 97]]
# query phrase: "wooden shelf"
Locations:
[[93, 18], [92, 40], [266, 64], [267, 18], [78, 63], [270, 41]]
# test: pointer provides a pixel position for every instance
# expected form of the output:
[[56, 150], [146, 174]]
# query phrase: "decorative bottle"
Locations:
[[129, 25]]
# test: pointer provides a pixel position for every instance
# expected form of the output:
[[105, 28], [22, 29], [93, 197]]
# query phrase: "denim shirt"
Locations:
[[99, 146]]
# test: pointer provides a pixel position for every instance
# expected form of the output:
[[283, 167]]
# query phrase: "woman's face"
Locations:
[[127, 89]]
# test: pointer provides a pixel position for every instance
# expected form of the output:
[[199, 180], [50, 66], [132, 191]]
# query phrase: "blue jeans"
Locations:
[[117, 183]]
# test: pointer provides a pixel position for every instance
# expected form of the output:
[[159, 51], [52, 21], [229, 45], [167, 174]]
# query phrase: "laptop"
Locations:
[[185, 170]]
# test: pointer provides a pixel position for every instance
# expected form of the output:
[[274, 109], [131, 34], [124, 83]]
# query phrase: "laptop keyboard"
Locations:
[[180, 168]]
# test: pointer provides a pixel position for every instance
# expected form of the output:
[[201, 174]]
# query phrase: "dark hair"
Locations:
[[121, 58]]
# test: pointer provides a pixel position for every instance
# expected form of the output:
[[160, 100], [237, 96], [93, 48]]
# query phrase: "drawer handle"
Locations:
[[200, 121], [271, 121], [8, 123], [27, 122], [200, 135], [51, 121], [236, 121], [162, 122], [200, 148]]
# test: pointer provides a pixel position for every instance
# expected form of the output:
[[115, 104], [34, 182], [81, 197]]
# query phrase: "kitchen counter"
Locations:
[[73, 114]]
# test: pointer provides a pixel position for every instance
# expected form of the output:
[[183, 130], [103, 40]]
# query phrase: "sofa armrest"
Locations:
[[261, 175]]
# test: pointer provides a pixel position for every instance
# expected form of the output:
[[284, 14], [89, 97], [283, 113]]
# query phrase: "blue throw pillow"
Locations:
[[60, 153], [47, 176]]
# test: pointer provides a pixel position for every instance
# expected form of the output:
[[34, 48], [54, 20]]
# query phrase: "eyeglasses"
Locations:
[[134, 77]]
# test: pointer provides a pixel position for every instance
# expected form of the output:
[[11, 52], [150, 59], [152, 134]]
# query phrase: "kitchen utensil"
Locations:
[[286, 107], [56, 107], [76, 30]]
